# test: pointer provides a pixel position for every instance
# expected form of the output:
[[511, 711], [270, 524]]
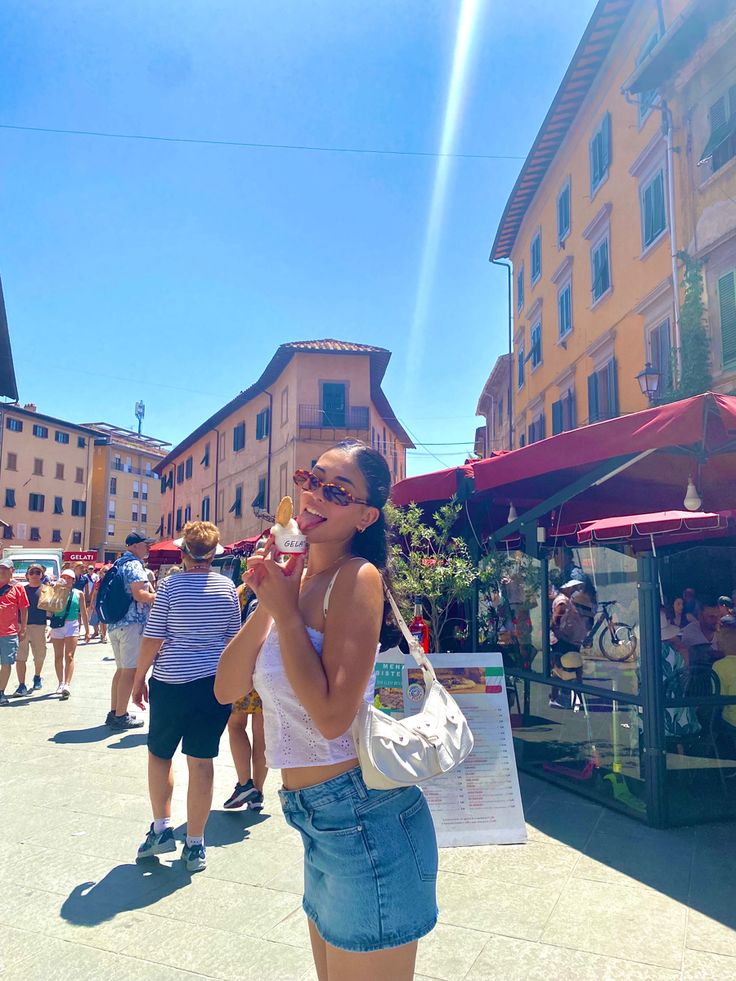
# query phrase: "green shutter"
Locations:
[[727, 304], [593, 409], [557, 423]]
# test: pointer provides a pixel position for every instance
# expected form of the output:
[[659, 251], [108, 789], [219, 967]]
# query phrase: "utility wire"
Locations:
[[257, 146]]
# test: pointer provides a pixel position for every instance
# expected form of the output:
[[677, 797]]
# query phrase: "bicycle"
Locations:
[[617, 641]]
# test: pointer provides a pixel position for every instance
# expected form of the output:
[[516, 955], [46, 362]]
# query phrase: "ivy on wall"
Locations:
[[695, 375]]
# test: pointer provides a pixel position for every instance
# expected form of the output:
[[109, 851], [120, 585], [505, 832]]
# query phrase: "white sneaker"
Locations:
[[65, 692], [59, 690]]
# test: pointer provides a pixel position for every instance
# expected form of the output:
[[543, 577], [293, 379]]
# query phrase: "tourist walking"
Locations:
[[34, 641], [126, 632], [195, 614], [65, 633], [370, 863], [13, 622]]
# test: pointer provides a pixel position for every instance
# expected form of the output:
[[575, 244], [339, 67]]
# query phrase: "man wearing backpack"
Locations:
[[127, 581]]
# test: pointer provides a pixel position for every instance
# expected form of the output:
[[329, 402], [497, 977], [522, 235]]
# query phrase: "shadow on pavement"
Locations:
[[126, 887], [93, 735], [132, 739], [227, 827]]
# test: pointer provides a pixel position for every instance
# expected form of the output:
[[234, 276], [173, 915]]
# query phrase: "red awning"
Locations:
[[244, 546], [661, 523], [164, 553], [438, 486], [658, 450]]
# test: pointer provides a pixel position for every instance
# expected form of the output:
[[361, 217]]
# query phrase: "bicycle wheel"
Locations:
[[621, 646]]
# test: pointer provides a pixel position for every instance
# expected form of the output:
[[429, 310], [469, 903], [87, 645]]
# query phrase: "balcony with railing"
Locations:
[[314, 420]]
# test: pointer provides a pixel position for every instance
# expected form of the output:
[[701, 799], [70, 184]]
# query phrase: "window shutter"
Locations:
[[606, 144], [612, 373], [718, 114], [558, 425], [541, 426], [571, 421], [593, 409], [727, 304], [648, 214], [9, 498]]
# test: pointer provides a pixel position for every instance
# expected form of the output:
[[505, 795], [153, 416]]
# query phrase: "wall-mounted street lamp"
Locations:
[[649, 379]]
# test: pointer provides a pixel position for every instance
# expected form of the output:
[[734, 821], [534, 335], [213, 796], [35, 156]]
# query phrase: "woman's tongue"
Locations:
[[307, 521]]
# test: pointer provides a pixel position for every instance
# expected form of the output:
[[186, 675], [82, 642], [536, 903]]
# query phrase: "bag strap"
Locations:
[[415, 648]]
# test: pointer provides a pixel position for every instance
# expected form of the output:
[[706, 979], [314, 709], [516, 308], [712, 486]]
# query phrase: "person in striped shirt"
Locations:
[[196, 613]]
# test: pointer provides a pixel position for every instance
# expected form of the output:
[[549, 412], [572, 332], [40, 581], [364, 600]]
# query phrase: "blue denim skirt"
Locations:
[[370, 861]]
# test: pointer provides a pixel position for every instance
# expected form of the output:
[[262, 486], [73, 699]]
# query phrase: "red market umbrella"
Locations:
[[245, 546], [163, 553], [438, 486], [645, 525]]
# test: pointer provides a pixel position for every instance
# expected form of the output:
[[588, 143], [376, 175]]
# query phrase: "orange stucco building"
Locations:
[[237, 465], [601, 207]]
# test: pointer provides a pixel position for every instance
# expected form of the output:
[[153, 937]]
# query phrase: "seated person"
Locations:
[[683, 721], [570, 630], [676, 613], [726, 670], [691, 607], [699, 637]]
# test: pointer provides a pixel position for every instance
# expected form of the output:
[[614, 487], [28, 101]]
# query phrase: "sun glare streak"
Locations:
[[453, 111]]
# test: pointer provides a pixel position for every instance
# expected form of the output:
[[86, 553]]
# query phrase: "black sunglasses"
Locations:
[[34, 572], [333, 493]]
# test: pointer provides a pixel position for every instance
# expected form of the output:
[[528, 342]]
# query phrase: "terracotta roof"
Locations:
[[379, 358], [594, 46]]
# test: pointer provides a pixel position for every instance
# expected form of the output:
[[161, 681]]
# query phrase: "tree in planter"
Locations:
[[427, 560], [695, 375]]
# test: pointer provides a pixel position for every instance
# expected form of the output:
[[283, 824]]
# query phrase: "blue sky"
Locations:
[[170, 272]]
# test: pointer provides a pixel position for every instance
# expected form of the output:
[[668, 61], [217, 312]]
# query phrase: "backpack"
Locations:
[[113, 600], [571, 628]]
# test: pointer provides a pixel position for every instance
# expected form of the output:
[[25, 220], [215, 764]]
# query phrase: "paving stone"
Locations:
[[506, 959], [633, 922], [701, 966]]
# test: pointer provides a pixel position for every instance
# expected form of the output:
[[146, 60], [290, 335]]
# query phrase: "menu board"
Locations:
[[479, 802]]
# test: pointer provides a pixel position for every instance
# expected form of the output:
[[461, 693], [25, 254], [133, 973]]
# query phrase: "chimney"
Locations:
[[30, 406]]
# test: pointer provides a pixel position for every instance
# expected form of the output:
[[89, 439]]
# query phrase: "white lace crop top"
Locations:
[[292, 738]]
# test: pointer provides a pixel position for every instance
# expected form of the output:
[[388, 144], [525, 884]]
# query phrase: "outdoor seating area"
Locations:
[[644, 506]]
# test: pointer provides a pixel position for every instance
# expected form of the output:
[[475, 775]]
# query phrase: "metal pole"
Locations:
[[652, 693], [544, 603]]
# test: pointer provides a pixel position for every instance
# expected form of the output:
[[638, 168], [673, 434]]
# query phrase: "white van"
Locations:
[[51, 558]]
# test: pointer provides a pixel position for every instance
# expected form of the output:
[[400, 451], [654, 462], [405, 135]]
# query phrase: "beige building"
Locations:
[[239, 463], [45, 477], [494, 405], [125, 488]]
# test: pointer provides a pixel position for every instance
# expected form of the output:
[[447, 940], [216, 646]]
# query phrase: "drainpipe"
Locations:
[[507, 267], [667, 124], [217, 473], [268, 469]]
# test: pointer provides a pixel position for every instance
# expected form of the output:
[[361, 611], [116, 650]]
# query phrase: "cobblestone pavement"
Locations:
[[592, 895]]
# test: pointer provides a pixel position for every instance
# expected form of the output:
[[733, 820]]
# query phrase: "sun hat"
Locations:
[[68, 574], [667, 630], [218, 550], [572, 584]]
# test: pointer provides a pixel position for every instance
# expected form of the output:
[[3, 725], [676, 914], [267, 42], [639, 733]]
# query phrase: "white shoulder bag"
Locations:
[[399, 753]]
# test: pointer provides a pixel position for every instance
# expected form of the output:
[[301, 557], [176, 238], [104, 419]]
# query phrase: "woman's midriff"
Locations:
[[300, 777]]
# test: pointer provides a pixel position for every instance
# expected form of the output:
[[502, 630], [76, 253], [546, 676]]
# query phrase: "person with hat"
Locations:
[[570, 630], [65, 633], [195, 615], [13, 622], [126, 634], [35, 638]]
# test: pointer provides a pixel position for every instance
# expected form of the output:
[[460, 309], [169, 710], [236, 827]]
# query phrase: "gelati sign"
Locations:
[[80, 556]]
